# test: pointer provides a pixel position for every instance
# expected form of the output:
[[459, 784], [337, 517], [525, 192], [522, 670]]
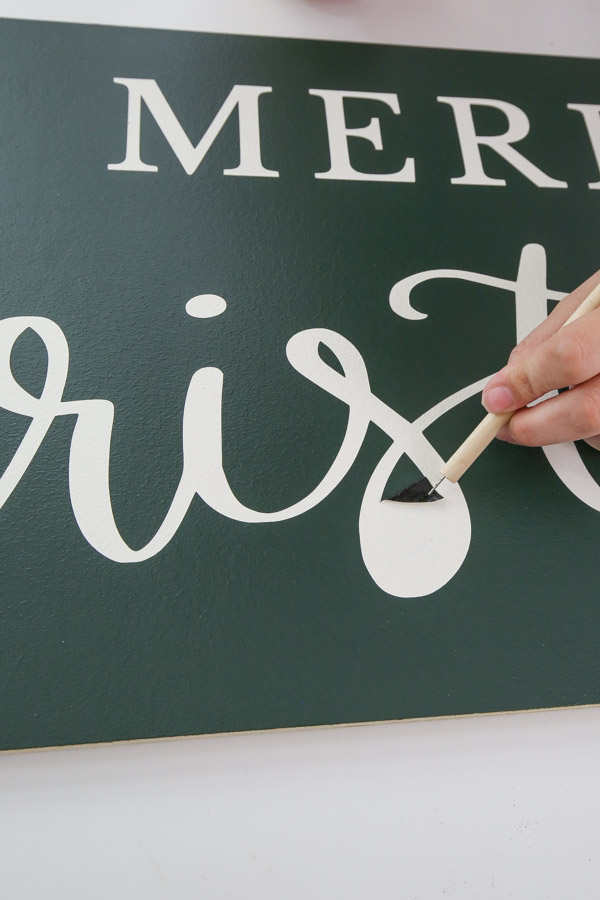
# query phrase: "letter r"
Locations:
[[470, 142]]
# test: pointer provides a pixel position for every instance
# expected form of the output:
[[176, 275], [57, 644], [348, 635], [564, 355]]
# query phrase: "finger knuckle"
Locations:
[[571, 355], [516, 353], [522, 432], [525, 382], [588, 414]]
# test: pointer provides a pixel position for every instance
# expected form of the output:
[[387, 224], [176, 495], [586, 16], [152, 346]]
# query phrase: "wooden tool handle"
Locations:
[[475, 444], [591, 302], [489, 427]]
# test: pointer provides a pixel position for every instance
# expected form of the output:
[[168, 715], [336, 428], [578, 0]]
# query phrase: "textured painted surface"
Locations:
[[237, 625]]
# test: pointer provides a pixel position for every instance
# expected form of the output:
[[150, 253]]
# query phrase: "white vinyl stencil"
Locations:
[[410, 550], [499, 807]]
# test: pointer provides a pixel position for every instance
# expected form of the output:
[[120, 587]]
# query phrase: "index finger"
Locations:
[[556, 319], [570, 356]]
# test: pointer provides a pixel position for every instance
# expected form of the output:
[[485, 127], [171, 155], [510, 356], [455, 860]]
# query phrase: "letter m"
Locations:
[[244, 97]]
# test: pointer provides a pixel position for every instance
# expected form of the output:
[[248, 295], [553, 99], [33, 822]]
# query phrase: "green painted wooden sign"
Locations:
[[251, 287]]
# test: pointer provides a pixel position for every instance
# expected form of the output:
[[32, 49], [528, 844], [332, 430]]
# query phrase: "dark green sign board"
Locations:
[[250, 287]]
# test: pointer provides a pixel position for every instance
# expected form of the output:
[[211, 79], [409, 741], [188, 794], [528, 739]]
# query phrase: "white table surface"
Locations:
[[499, 806]]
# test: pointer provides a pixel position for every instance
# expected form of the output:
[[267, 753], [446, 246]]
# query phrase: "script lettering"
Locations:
[[410, 550]]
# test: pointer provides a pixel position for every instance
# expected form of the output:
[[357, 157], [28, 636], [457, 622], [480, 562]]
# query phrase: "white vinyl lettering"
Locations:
[[338, 132], [591, 117], [243, 97], [410, 550], [470, 142]]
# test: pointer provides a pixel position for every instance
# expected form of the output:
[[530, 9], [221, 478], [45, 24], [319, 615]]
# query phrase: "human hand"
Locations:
[[546, 360]]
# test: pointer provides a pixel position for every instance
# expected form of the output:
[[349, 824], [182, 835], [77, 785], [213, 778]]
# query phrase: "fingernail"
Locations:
[[498, 377], [497, 399]]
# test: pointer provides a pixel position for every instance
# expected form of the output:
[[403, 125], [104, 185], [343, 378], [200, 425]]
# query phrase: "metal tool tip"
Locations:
[[420, 492]]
